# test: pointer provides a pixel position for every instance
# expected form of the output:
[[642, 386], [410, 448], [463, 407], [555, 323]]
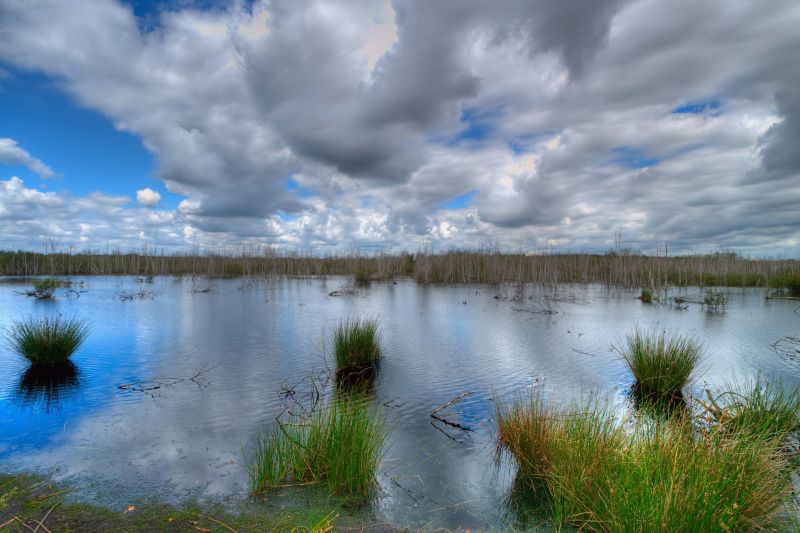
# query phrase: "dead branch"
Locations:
[[460, 397], [435, 413], [147, 386]]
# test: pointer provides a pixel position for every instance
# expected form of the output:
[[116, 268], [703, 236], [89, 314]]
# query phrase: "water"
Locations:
[[246, 343]]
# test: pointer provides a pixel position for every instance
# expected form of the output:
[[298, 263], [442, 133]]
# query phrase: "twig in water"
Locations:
[[442, 419], [455, 400], [585, 353], [147, 386]]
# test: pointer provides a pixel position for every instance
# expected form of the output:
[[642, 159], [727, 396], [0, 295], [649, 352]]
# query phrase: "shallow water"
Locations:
[[250, 342]]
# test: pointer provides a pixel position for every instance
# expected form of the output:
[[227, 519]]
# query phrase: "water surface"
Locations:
[[247, 343]]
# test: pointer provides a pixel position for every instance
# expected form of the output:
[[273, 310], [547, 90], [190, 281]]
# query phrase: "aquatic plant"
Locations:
[[714, 301], [661, 477], [757, 408], [646, 296], [356, 344], [45, 288], [661, 362], [339, 444], [47, 340], [526, 429], [601, 475]]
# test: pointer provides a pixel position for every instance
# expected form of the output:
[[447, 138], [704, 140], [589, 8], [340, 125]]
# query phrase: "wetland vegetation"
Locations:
[[47, 340], [339, 444], [599, 473], [616, 268], [661, 362], [356, 344]]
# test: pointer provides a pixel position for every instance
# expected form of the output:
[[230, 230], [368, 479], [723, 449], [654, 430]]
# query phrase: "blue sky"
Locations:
[[81, 145], [383, 125]]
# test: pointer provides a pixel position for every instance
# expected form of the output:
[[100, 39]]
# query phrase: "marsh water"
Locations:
[[171, 386]]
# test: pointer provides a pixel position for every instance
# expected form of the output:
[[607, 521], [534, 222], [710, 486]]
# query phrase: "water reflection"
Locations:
[[662, 408], [527, 504], [48, 384], [357, 380]]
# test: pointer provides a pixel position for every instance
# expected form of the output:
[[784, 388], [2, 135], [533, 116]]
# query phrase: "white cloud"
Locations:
[[330, 123], [148, 197], [13, 154]]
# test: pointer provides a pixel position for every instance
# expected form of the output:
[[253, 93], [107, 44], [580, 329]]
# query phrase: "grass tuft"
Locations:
[[714, 301], [45, 288], [662, 478], [526, 430], [356, 344], [646, 296], [661, 362], [601, 475], [759, 409], [340, 444], [47, 340]]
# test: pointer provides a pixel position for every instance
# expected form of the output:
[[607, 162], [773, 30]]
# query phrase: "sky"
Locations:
[[327, 126]]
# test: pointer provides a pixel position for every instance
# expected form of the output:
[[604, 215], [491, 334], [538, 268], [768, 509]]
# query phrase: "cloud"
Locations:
[[330, 124], [12, 154], [147, 197]]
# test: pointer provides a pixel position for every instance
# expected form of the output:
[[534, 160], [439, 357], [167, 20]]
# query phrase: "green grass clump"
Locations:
[[44, 288], [663, 478], [661, 362], [47, 340], [340, 444], [601, 475], [356, 344], [759, 409], [646, 296]]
